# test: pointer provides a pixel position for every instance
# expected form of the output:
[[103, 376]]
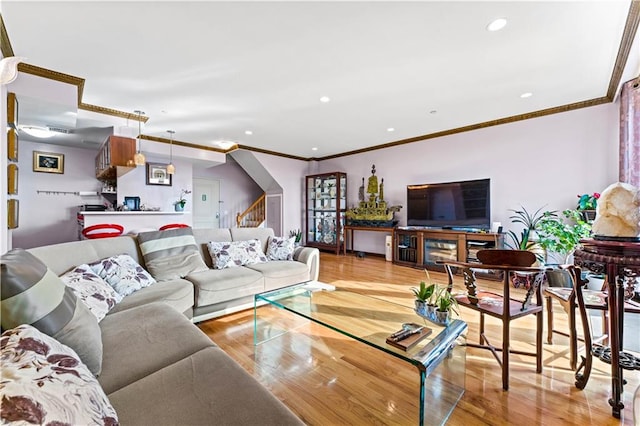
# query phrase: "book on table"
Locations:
[[408, 336]]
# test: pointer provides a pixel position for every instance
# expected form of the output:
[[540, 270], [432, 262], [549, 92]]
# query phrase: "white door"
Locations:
[[206, 203]]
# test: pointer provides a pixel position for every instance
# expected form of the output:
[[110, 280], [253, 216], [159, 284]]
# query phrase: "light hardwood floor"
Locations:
[[329, 379]]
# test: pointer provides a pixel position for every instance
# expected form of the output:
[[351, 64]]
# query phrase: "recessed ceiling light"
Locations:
[[526, 95], [390, 129], [314, 149], [325, 99], [433, 111], [497, 24], [248, 132]]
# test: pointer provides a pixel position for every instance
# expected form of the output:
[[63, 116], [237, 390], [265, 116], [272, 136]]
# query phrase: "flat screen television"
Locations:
[[464, 204]]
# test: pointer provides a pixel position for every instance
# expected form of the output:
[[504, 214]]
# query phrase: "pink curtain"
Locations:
[[629, 168]]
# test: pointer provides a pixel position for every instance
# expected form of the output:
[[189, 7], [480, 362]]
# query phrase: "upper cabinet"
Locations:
[[115, 158]]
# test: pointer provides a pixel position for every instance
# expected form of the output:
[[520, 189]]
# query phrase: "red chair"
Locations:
[[110, 230], [173, 226]]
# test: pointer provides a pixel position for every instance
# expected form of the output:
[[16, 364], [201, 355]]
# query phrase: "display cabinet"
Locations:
[[325, 207]]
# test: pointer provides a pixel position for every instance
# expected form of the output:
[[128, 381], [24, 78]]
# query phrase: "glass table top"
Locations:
[[366, 319]]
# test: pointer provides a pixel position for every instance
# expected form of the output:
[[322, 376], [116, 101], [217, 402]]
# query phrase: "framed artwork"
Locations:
[[12, 110], [12, 213], [12, 145], [157, 174], [48, 162], [12, 179]]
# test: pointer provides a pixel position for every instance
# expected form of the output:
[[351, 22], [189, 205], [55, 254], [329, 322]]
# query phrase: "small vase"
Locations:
[[442, 317], [421, 307], [179, 207]]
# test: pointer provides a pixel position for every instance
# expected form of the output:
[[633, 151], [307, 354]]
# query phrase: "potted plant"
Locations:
[[423, 296], [562, 235], [298, 236], [587, 204], [179, 205], [445, 303], [525, 241]]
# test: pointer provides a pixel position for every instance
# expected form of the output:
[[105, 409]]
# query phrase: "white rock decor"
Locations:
[[618, 212]]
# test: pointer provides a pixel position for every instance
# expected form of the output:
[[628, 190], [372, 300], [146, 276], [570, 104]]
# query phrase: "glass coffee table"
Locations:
[[439, 357]]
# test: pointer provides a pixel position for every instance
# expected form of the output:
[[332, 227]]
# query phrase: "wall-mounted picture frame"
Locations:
[[12, 179], [12, 144], [48, 162], [13, 211], [12, 110], [157, 174]]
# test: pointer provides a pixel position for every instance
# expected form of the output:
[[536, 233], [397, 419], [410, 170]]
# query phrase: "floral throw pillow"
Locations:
[[44, 382], [99, 296], [122, 273], [231, 254], [281, 248]]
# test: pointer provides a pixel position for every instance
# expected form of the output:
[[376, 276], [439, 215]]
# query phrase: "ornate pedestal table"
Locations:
[[620, 262]]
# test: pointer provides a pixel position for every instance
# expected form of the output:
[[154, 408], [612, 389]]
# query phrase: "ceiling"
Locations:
[[214, 71]]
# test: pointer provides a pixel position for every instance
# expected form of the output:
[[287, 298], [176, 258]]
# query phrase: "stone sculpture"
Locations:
[[618, 212]]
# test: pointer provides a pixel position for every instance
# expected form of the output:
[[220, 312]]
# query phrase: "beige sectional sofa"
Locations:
[[157, 367]]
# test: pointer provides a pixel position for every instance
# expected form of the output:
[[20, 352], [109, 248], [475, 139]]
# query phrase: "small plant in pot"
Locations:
[[445, 303], [423, 295]]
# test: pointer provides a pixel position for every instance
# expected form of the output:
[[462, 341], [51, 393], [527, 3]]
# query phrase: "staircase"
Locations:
[[254, 215]]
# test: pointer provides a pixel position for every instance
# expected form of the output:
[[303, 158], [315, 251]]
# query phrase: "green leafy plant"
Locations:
[[425, 292], [562, 234], [446, 301], [297, 234], [182, 201], [530, 222], [588, 201]]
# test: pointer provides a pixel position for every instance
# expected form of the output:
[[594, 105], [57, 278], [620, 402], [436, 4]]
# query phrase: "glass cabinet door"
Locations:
[[326, 200]]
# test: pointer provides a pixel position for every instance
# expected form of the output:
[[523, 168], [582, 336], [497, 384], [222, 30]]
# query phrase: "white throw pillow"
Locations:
[[99, 296], [231, 254], [122, 273], [281, 248], [44, 382]]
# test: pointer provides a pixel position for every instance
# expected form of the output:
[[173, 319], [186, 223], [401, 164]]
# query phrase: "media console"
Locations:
[[423, 247]]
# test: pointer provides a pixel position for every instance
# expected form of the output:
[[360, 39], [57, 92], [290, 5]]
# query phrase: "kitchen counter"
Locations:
[[135, 221], [129, 212]]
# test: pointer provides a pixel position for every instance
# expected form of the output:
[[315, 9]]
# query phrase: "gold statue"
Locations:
[[374, 211], [372, 187]]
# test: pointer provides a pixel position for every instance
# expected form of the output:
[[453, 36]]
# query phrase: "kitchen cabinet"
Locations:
[[115, 158]]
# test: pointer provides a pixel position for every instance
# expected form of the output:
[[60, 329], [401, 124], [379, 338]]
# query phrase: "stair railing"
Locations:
[[254, 215]]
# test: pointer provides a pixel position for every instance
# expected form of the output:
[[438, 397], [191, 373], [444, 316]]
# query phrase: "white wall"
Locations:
[[133, 184], [237, 190], [289, 173], [48, 218], [545, 161]]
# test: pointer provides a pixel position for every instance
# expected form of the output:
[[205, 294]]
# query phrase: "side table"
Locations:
[[620, 262]]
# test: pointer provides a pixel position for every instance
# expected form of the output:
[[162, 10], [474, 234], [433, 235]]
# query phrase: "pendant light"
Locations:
[[139, 159], [171, 169]]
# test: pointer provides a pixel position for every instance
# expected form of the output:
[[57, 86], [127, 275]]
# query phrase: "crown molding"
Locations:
[[186, 144], [54, 75], [113, 112], [5, 43], [491, 123], [630, 29]]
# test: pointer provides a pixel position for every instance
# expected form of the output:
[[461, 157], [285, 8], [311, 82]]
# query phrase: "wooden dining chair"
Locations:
[[502, 305]]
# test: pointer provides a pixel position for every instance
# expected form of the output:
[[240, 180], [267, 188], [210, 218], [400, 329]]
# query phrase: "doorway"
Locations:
[[206, 203]]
